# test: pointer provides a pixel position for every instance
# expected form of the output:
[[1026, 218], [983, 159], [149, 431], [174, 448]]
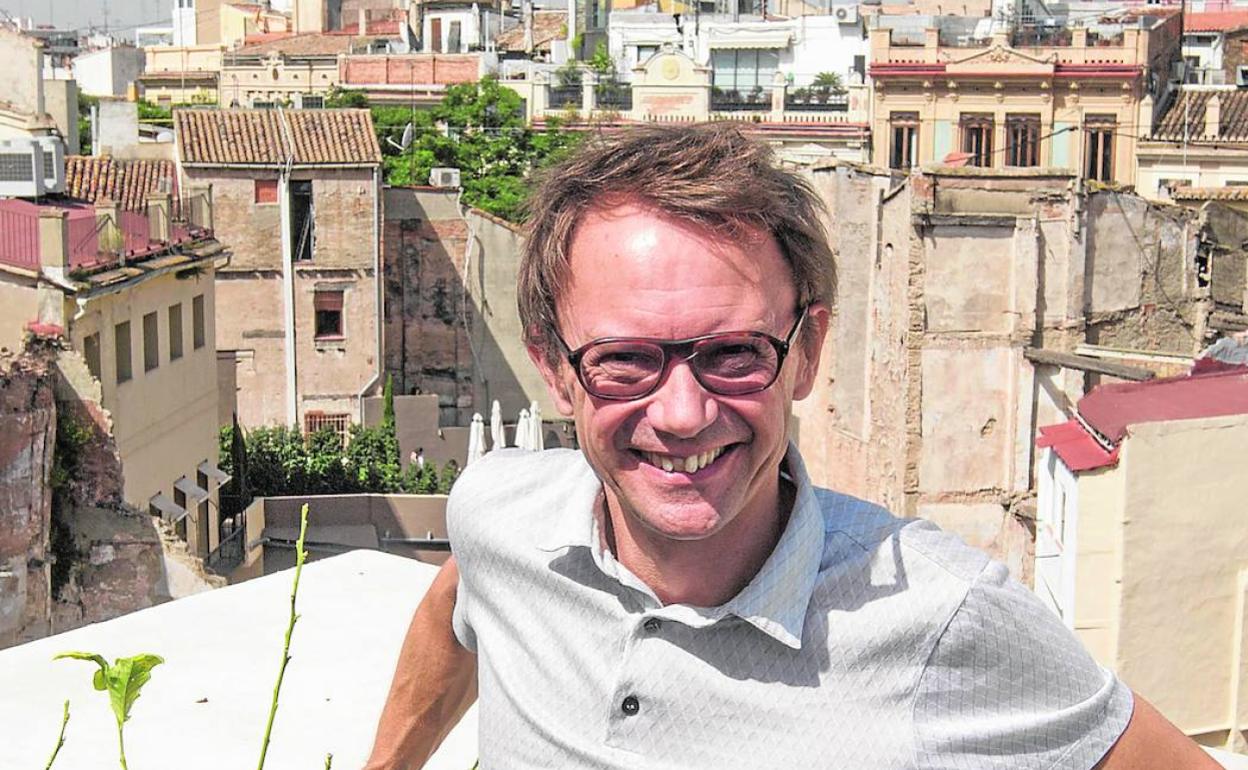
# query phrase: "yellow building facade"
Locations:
[[1070, 101]]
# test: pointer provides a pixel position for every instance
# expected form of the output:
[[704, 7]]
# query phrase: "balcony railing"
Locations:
[[757, 100], [562, 97], [612, 95], [232, 548], [815, 100], [95, 239]]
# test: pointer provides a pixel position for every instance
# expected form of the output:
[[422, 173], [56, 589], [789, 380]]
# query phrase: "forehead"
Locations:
[[637, 271]]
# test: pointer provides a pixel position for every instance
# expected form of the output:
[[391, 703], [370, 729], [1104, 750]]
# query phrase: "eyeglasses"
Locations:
[[725, 363]]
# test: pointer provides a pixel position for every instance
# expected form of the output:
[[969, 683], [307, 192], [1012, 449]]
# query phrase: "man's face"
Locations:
[[638, 273]]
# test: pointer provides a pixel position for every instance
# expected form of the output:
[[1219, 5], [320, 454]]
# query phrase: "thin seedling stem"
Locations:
[[300, 556], [60, 741]]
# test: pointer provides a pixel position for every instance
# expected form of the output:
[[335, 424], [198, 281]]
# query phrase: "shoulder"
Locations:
[[854, 525], [513, 490]]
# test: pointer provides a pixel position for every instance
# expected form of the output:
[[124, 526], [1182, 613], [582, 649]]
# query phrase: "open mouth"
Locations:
[[689, 465]]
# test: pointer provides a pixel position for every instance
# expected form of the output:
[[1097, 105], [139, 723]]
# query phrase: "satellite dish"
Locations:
[[403, 143]]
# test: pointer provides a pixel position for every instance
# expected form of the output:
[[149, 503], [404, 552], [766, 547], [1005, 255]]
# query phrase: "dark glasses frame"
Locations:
[[684, 349]]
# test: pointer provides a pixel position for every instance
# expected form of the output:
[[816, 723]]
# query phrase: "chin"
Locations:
[[680, 521]]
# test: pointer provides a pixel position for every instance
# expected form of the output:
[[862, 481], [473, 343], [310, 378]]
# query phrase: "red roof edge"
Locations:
[[1077, 448]]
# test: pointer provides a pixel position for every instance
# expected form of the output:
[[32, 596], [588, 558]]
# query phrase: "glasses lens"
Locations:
[[736, 364], [621, 369]]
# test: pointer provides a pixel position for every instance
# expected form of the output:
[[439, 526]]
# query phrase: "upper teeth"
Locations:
[[690, 464]]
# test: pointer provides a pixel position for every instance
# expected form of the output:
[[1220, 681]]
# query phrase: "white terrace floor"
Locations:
[[206, 707]]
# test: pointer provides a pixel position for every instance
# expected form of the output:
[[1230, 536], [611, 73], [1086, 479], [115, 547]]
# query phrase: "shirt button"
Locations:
[[651, 625], [630, 706]]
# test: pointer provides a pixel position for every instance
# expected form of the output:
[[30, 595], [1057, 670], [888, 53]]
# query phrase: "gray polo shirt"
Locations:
[[865, 641]]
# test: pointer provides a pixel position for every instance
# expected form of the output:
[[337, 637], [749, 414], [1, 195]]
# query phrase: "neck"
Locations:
[[702, 573]]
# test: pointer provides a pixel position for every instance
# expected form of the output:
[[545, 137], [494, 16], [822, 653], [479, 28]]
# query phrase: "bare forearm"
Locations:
[[1152, 742], [435, 682]]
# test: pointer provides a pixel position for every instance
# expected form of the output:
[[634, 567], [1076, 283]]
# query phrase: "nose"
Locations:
[[681, 407]]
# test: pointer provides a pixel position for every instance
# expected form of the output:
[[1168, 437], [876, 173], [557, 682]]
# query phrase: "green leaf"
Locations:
[[125, 678], [98, 680]]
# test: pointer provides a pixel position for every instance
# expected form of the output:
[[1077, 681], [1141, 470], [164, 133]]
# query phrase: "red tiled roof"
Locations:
[[1110, 409], [1233, 193], [125, 182], [258, 138], [298, 45], [1078, 450], [1189, 104], [1215, 21]]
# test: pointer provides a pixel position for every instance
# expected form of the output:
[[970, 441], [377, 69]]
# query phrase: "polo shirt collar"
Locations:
[[774, 601]]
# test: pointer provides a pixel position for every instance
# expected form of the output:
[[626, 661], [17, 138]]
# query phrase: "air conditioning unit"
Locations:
[[444, 177], [846, 14], [31, 167]]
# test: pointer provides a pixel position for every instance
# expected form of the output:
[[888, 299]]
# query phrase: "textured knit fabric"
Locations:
[[865, 641]]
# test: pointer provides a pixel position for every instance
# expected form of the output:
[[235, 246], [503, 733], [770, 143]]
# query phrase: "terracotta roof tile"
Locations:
[[1233, 193], [1232, 125], [125, 182], [547, 27], [300, 45], [1215, 21], [257, 137]]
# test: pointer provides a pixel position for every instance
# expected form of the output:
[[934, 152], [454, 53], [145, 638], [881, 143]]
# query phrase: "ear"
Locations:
[[808, 347], [555, 376]]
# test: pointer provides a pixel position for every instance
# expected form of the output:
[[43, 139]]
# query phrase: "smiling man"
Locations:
[[676, 593]]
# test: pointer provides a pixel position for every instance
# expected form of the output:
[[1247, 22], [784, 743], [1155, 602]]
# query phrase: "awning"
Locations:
[[209, 469], [750, 38], [172, 511], [194, 492]]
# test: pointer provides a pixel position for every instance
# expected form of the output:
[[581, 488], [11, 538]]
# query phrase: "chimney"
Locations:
[[363, 22], [159, 206], [53, 241], [528, 26], [1213, 116]]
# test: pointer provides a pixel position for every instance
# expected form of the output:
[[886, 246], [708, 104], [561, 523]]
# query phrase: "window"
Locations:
[[121, 349], [328, 307], [91, 352], [453, 37], [266, 191], [197, 321], [744, 69], [977, 139], [175, 332], [338, 423], [1164, 186], [302, 224], [644, 52], [151, 342], [1100, 147], [312, 102], [904, 149], [1022, 140]]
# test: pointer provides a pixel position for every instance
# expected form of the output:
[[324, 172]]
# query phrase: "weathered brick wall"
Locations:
[[1234, 53], [427, 318], [28, 420], [411, 69]]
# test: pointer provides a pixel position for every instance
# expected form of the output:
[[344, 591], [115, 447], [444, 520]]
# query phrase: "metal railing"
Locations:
[[19, 239], [815, 100], [565, 96], [740, 101], [231, 551], [613, 95]]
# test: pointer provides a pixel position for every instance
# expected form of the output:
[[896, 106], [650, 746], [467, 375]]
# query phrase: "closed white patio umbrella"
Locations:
[[497, 437], [476, 439], [537, 441]]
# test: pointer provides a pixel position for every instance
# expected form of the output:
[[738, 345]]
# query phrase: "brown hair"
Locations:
[[708, 173]]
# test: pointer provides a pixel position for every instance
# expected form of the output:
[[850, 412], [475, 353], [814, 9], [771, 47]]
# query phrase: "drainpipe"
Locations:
[[378, 279], [288, 275]]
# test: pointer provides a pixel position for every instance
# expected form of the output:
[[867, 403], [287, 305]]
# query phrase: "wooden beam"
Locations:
[[1087, 364]]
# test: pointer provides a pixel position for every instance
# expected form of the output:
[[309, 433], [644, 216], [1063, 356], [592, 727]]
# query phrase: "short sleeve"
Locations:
[[1008, 686], [459, 618]]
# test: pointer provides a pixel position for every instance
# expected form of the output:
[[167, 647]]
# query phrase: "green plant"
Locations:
[[828, 82], [60, 740], [122, 680], [346, 97], [300, 556], [601, 62], [446, 479]]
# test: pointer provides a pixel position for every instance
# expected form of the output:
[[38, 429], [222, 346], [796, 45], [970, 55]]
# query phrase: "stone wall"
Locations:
[[926, 402], [71, 553], [428, 319]]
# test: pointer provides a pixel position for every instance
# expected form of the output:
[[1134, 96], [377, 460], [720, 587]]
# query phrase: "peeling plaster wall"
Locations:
[[925, 402]]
